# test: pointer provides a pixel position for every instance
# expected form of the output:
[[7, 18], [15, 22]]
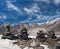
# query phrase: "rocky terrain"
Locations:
[[32, 30]]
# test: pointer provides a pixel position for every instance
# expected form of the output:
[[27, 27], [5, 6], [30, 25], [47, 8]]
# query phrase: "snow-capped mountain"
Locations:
[[29, 11]]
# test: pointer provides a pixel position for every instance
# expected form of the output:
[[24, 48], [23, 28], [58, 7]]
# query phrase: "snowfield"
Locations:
[[8, 44]]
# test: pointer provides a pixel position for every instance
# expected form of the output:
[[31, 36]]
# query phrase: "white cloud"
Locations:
[[32, 10], [38, 16], [27, 20], [43, 0], [57, 1], [11, 0], [4, 17], [12, 7], [48, 1], [27, 10]]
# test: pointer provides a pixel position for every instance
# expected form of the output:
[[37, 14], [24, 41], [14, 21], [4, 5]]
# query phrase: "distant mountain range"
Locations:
[[52, 25], [33, 28]]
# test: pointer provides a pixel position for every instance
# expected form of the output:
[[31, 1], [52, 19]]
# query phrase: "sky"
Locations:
[[29, 11]]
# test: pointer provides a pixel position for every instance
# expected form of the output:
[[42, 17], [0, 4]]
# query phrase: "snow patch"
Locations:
[[7, 44], [45, 46], [32, 36]]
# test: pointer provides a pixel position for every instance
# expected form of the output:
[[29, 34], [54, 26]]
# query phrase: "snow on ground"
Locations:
[[7, 44], [45, 46], [32, 36]]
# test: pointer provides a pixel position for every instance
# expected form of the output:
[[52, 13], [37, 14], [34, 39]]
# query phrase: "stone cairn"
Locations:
[[41, 36], [51, 34], [8, 34], [23, 34]]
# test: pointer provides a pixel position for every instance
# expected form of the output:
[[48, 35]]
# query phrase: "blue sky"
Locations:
[[29, 11]]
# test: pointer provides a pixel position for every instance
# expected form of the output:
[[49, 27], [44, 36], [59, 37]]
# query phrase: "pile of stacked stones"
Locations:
[[42, 37], [8, 34], [51, 34], [23, 35]]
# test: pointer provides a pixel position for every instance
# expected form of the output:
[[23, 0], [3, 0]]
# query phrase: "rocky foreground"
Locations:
[[28, 38]]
